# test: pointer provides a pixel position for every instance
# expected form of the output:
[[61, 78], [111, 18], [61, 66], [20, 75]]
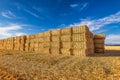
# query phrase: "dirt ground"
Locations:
[[33, 66]]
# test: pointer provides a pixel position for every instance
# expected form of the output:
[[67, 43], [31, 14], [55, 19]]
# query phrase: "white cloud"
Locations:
[[74, 5], [8, 14], [101, 22], [10, 30], [31, 13], [113, 39]]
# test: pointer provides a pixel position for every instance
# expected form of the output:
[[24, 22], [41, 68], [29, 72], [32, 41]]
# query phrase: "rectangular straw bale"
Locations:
[[22, 37], [66, 38], [47, 45], [31, 45], [26, 49], [99, 46], [99, 50], [41, 45], [40, 39], [55, 38], [32, 36], [41, 35], [99, 41], [55, 32], [80, 29], [66, 44], [47, 33], [36, 45], [65, 51], [55, 51], [46, 51], [47, 38], [36, 49], [66, 31], [79, 52], [99, 36], [79, 45], [31, 40], [41, 50], [31, 49], [79, 37], [55, 44]]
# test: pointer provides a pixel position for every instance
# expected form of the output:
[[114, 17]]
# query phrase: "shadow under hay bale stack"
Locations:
[[82, 41], [55, 42], [66, 41], [99, 40]]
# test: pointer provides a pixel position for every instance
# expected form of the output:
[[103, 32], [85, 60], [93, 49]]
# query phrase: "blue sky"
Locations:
[[19, 17]]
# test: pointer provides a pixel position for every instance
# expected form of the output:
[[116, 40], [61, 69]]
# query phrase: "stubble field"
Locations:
[[33, 66]]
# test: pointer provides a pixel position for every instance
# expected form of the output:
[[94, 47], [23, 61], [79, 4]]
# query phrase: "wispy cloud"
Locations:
[[113, 39], [74, 5], [96, 24], [32, 13], [84, 6], [79, 6], [8, 14], [11, 30]]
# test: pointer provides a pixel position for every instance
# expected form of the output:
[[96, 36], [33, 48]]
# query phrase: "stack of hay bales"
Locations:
[[27, 43], [99, 40], [17, 43], [36, 45], [66, 41], [47, 42], [55, 42], [31, 42], [1, 45], [82, 41], [9, 43], [40, 38], [22, 43]]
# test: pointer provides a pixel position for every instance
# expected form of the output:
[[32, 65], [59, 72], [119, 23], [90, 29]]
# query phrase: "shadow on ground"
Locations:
[[107, 53]]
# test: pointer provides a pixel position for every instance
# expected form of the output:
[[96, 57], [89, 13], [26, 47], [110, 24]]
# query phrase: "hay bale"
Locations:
[[99, 46], [41, 45], [65, 51], [79, 37], [47, 45], [36, 45], [55, 44], [99, 36], [67, 38], [99, 50], [40, 35], [55, 38], [47, 33], [46, 51], [99, 41], [80, 29], [47, 38], [79, 52], [55, 32], [40, 39], [79, 45], [66, 44], [55, 51], [66, 31]]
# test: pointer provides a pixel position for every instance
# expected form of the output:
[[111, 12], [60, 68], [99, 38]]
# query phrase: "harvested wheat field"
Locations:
[[34, 66]]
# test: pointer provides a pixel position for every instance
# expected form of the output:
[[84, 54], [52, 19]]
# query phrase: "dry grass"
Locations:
[[31, 66], [112, 47]]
